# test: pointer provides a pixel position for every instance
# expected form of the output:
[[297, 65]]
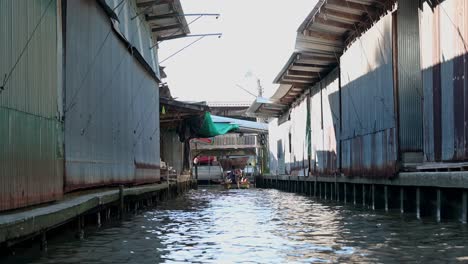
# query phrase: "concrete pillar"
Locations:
[[337, 190], [44, 242], [320, 190], [315, 188], [363, 195], [464, 208], [121, 201], [99, 219], [439, 205], [354, 193], [373, 197], [402, 197], [80, 233], [345, 194], [386, 197], [418, 203], [325, 190]]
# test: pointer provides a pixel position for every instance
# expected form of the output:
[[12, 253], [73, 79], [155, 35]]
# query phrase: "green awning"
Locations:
[[211, 129]]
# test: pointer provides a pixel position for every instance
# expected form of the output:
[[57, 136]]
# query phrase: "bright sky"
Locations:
[[258, 37]]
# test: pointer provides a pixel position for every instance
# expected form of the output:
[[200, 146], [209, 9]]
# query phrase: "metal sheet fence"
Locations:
[[112, 105], [31, 158]]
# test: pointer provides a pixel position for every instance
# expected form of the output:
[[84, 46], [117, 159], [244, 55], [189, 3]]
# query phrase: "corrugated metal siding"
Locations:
[[299, 161], [172, 150], [331, 122], [430, 48], [30, 153], [368, 117], [444, 57], [409, 77], [112, 105], [316, 130], [279, 150], [136, 30]]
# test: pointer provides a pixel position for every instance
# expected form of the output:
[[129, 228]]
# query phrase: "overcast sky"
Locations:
[[258, 37]]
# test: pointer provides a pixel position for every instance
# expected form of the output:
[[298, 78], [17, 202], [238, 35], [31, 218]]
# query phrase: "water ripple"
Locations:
[[262, 226]]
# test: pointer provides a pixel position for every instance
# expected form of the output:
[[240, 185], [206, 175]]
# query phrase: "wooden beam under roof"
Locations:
[[169, 27], [295, 84], [303, 73], [330, 13], [324, 35], [172, 36], [162, 16], [153, 2], [306, 68], [333, 23], [348, 5], [297, 78]]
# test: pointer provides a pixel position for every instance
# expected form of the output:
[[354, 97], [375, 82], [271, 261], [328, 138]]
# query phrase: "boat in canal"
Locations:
[[241, 185]]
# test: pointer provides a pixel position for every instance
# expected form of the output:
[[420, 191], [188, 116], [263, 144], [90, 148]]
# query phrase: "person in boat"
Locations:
[[232, 175]]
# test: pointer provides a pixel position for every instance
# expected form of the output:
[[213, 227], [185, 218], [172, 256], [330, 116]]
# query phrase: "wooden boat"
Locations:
[[230, 185]]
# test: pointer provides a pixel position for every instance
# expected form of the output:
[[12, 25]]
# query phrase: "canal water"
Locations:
[[212, 225]]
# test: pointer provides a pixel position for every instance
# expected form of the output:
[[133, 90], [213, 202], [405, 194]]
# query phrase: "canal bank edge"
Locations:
[[454, 179], [16, 226]]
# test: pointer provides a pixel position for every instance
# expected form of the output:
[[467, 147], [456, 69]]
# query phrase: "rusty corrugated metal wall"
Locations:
[[444, 33], [111, 107], [31, 156], [368, 138], [410, 95]]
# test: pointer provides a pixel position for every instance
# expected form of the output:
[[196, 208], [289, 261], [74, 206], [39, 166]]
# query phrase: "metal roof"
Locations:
[[165, 18], [264, 108], [175, 111], [322, 38]]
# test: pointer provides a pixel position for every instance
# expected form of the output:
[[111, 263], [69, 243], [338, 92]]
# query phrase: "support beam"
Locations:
[[386, 197], [163, 28], [153, 3], [418, 203], [464, 207], [439, 205], [402, 198]]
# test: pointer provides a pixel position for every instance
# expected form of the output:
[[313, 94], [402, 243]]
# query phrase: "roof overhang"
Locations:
[[265, 108], [165, 18], [176, 111], [321, 40]]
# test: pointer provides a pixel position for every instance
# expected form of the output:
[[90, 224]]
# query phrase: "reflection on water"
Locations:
[[261, 226]]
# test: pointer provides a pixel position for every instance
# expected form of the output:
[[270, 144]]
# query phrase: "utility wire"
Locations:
[[180, 50], [104, 91], [8, 76], [73, 102], [185, 27]]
